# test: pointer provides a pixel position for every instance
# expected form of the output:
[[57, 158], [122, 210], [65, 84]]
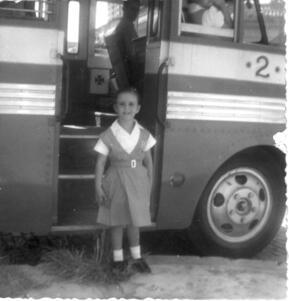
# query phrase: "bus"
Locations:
[[214, 97]]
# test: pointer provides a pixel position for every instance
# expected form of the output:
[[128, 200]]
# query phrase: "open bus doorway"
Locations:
[[91, 78]]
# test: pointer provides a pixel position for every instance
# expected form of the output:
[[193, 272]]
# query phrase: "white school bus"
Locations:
[[213, 97]]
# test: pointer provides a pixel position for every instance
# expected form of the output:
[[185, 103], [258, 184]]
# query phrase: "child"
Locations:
[[124, 192]]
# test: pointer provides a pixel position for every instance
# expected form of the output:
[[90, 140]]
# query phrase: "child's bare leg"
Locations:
[[134, 241], [116, 242]]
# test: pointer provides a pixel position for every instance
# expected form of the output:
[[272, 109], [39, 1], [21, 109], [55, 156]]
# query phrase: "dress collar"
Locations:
[[116, 127], [128, 141]]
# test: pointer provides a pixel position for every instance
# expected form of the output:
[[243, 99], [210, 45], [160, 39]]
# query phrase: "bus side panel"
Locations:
[[195, 149], [30, 93], [27, 169], [216, 107]]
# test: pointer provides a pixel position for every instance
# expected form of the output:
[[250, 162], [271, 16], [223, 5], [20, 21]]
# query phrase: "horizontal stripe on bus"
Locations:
[[204, 106], [218, 62], [31, 45], [29, 73], [27, 99], [186, 83]]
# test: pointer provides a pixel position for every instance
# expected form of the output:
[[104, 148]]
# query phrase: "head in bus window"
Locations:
[[210, 13], [131, 9]]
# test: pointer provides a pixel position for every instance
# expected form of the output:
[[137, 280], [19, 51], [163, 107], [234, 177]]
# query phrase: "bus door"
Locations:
[[30, 91]]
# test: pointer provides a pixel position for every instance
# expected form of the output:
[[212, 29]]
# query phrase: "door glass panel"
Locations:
[[73, 27], [142, 20], [155, 19]]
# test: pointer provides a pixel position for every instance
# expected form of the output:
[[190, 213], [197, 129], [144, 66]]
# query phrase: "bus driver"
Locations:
[[125, 32], [211, 13]]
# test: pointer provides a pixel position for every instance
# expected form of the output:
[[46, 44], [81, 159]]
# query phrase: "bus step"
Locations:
[[83, 136], [86, 228], [80, 132], [75, 228], [76, 176]]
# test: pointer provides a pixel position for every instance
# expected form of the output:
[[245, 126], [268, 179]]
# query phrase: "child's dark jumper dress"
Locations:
[[126, 184]]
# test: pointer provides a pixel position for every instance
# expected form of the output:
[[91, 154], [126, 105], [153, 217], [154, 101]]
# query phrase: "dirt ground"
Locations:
[[173, 276]]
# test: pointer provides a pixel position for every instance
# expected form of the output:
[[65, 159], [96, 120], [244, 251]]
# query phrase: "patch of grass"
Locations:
[[77, 265], [83, 258], [24, 249]]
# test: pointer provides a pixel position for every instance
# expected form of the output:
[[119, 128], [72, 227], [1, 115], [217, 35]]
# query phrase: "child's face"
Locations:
[[126, 106]]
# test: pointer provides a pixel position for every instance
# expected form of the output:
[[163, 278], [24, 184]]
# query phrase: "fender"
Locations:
[[196, 149]]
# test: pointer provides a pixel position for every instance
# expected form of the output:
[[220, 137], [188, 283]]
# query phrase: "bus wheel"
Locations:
[[241, 209]]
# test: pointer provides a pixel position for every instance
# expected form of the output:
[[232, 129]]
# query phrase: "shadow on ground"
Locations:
[[30, 250]]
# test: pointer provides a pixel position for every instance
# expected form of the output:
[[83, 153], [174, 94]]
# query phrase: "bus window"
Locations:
[[274, 16], [73, 27], [206, 17], [272, 12], [29, 10]]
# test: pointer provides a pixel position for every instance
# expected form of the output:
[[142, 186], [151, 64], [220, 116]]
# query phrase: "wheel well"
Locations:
[[261, 152]]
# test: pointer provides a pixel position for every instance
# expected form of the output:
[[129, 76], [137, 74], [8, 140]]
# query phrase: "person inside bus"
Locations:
[[210, 13], [125, 32]]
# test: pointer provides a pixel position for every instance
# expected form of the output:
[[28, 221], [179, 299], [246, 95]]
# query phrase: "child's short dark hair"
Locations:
[[130, 90]]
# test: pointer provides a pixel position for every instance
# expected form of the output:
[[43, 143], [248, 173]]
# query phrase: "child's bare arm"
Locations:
[[148, 163], [99, 169]]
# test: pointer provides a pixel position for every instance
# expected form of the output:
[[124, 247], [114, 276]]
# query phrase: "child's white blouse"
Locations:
[[128, 141]]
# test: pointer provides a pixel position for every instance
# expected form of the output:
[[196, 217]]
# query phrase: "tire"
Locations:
[[241, 208]]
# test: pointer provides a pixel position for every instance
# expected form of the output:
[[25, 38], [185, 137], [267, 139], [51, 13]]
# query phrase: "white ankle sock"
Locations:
[[135, 252], [118, 255]]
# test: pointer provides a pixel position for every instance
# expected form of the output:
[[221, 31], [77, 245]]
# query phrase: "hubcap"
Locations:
[[239, 205]]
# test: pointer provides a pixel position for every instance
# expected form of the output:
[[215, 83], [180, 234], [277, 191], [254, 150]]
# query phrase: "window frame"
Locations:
[[200, 30], [236, 42], [53, 22]]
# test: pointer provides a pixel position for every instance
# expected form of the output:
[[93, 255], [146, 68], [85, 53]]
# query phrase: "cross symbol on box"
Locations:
[[99, 80]]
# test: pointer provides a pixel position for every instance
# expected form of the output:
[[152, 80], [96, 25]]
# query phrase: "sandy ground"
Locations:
[[192, 277], [172, 277]]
